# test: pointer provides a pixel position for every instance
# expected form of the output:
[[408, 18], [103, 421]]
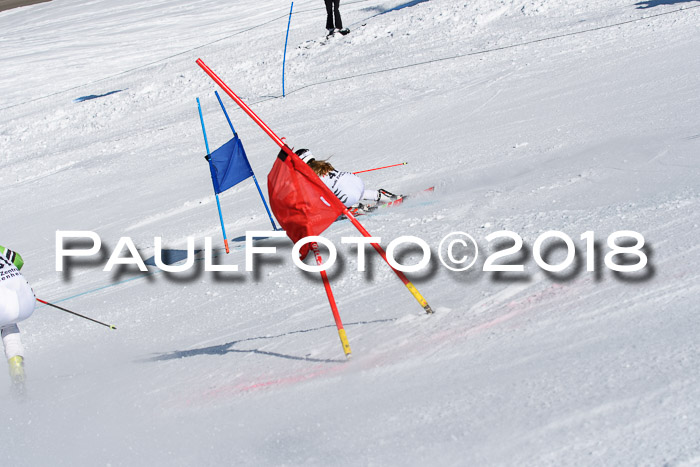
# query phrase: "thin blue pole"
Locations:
[[284, 60], [213, 176], [262, 197], [225, 113], [263, 200]]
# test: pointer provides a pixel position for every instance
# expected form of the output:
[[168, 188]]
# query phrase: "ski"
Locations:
[[325, 40], [360, 211], [402, 198], [342, 32]]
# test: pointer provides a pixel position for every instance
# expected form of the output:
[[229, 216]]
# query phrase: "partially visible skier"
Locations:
[[17, 302], [348, 187]]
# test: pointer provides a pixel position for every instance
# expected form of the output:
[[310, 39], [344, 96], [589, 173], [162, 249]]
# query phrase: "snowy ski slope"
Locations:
[[527, 115]]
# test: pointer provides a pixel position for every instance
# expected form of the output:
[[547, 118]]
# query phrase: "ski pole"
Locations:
[[331, 300], [380, 168], [110, 326], [409, 285]]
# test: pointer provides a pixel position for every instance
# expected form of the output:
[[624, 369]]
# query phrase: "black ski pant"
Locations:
[[332, 9]]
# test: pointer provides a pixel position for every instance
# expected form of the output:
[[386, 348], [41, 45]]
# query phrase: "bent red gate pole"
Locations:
[[331, 301], [419, 298]]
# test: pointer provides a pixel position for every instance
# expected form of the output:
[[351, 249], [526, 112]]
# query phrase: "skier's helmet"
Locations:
[[305, 155]]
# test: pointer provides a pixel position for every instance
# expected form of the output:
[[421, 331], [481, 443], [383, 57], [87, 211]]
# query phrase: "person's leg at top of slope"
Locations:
[[333, 20]]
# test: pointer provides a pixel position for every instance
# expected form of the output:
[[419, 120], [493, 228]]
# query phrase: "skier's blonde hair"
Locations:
[[321, 167]]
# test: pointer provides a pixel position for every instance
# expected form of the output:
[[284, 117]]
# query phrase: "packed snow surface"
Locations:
[[526, 115]]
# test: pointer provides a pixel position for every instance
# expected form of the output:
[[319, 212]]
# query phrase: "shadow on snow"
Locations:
[[223, 349], [95, 96], [654, 3], [382, 11]]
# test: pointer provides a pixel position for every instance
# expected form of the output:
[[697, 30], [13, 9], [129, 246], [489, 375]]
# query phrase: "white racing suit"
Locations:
[[16, 301], [348, 187]]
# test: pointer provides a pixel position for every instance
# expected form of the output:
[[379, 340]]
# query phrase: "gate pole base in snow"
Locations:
[[409, 285], [331, 301]]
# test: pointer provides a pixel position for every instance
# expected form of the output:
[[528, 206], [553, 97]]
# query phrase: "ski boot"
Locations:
[[387, 196], [344, 31], [17, 375], [361, 208]]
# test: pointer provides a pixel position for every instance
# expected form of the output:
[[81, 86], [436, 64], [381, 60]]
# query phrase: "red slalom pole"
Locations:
[[380, 168], [241, 104], [331, 301], [419, 298], [409, 285]]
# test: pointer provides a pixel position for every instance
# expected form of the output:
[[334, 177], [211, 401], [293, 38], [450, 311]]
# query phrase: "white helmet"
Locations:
[[305, 155]]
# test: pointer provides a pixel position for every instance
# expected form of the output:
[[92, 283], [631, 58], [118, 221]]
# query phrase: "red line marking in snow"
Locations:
[[516, 307], [227, 390], [496, 321]]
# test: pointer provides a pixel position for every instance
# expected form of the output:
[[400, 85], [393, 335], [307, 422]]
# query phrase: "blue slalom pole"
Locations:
[[262, 197], [274, 227], [213, 176], [284, 59]]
